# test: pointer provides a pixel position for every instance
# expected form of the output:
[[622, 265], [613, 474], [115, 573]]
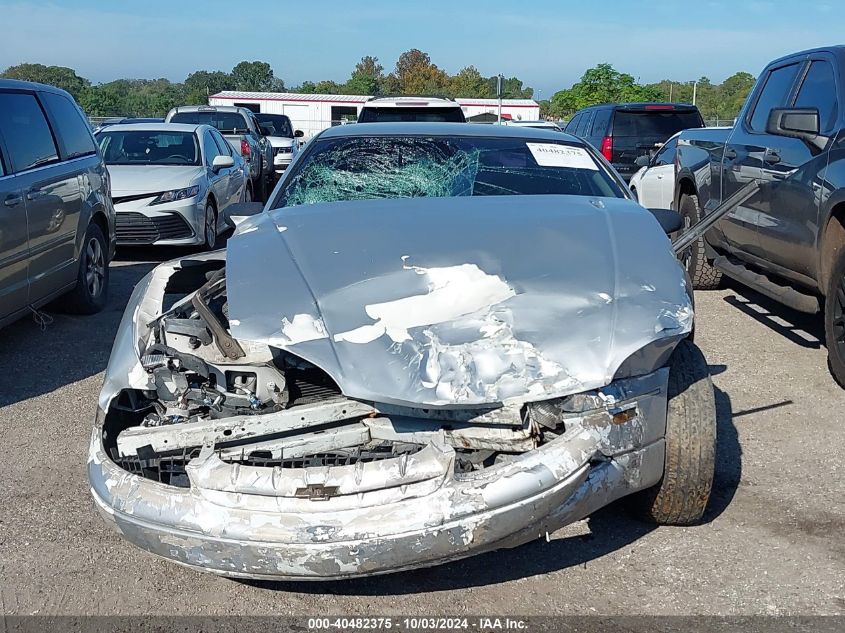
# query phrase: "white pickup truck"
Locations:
[[243, 132]]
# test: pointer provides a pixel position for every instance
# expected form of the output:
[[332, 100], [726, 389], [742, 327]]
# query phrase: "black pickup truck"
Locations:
[[783, 162]]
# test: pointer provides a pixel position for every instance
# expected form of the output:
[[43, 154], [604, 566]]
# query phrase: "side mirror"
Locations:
[[801, 123], [222, 162], [299, 134], [234, 214], [642, 161], [670, 221]]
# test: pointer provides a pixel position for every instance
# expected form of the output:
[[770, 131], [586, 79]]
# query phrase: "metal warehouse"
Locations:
[[313, 113]]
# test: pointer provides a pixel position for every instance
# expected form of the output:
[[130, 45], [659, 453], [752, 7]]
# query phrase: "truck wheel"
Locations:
[[834, 319], [261, 188], [92, 280], [704, 276], [682, 494]]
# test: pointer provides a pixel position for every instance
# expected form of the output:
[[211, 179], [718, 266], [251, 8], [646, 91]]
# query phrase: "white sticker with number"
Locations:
[[554, 155]]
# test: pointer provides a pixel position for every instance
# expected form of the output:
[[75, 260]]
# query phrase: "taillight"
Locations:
[[607, 148], [245, 151]]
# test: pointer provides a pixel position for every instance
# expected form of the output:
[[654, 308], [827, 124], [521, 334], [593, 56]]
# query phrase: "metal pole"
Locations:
[[694, 91], [500, 91]]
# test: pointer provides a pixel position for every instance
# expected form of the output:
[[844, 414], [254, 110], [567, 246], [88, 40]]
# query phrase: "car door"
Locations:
[[742, 160], [218, 181], [236, 174], [656, 188], [49, 179], [14, 249], [792, 170]]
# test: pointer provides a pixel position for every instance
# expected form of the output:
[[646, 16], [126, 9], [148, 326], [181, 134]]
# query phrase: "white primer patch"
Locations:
[[281, 229], [454, 291], [607, 298], [554, 155], [303, 327]]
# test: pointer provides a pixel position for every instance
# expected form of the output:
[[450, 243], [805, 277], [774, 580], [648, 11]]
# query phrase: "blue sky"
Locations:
[[546, 43]]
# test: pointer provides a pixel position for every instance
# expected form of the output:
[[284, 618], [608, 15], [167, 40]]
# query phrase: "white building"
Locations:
[[313, 113]]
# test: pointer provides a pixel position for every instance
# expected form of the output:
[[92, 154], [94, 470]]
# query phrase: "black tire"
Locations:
[[834, 319], [704, 276], [210, 226], [92, 281], [634, 191], [248, 197], [681, 496], [261, 189]]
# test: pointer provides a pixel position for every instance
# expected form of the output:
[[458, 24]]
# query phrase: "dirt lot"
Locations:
[[773, 541]]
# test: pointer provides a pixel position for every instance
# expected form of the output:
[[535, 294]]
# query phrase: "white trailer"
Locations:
[[313, 113]]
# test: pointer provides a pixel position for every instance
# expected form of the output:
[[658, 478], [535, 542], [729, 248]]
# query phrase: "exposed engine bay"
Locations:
[[262, 406]]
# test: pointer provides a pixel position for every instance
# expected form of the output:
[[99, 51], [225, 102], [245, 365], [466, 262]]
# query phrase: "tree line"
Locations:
[[605, 84], [413, 74]]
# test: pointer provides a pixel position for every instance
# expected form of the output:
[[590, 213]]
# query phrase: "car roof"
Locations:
[[836, 50], [645, 105], [17, 84], [209, 108], [388, 102], [155, 127], [447, 130]]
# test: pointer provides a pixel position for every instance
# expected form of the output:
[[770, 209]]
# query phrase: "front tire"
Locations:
[[703, 274], [834, 319], [210, 226], [681, 496], [92, 281]]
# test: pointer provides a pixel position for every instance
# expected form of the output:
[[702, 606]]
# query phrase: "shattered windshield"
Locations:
[[363, 168]]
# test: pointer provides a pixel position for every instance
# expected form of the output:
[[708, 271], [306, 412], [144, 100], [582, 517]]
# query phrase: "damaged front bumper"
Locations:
[[392, 514]]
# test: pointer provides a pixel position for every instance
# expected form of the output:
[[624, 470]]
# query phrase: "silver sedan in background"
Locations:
[[171, 183]]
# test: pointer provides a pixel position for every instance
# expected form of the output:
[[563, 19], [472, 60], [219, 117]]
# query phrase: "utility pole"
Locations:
[[694, 91], [671, 85], [499, 91]]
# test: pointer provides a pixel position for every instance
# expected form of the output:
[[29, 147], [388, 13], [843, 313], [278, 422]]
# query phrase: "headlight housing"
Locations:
[[176, 194]]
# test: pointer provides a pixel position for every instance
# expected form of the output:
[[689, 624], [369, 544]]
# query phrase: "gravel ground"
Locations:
[[772, 541]]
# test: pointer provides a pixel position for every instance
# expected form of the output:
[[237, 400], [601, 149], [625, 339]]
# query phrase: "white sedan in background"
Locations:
[[654, 183], [170, 182]]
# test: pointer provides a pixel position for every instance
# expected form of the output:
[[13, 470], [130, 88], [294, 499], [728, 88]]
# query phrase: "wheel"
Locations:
[[634, 191], [834, 319], [210, 226], [261, 193], [704, 276], [92, 281], [682, 494]]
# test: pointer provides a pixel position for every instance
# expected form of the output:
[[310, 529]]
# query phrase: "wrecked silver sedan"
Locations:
[[435, 341]]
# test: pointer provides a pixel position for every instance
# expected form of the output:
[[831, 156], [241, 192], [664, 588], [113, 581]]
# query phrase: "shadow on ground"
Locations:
[[806, 330], [36, 360]]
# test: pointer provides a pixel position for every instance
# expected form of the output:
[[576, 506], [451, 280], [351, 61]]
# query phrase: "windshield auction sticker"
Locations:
[[554, 155]]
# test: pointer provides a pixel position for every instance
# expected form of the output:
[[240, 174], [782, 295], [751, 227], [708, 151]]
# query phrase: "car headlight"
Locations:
[[176, 194]]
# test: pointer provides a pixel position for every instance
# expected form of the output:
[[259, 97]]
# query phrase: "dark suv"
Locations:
[[56, 218], [624, 131]]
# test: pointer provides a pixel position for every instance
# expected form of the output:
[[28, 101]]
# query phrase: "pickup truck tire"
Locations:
[[92, 280], [681, 496], [834, 319], [703, 274]]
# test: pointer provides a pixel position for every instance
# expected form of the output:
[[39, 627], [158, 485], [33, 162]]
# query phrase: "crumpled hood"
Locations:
[[457, 301], [137, 179]]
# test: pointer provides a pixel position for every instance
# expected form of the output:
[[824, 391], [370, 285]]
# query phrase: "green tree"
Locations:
[[417, 75], [306, 87], [367, 77], [201, 84], [59, 76], [469, 83], [328, 87], [256, 77], [602, 84]]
